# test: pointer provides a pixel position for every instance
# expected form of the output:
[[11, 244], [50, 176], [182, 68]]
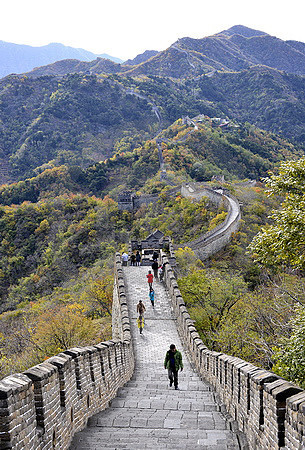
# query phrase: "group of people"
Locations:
[[135, 259], [141, 307], [173, 358]]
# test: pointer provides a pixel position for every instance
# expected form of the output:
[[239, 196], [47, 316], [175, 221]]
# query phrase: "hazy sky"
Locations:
[[127, 28]]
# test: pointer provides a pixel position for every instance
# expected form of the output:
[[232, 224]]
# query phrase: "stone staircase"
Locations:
[[147, 413]]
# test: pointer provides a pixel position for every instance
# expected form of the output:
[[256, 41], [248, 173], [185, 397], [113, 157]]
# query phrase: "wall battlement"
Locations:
[[213, 241], [43, 407], [269, 410]]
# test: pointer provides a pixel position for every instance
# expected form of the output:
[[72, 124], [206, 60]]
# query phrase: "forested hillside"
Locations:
[[81, 119], [203, 111]]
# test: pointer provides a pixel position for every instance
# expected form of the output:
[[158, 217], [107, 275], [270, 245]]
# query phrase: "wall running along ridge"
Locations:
[[44, 406], [269, 410], [213, 241]]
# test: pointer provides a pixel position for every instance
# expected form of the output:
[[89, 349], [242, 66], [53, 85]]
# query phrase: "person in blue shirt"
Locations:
[[152, 296]]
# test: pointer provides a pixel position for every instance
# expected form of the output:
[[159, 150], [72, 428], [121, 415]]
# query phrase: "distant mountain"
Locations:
[[98, 66], [243, 31], [15, 58], [141, 58], [79, 118], [112, 58], [235, 49], [65, 66]]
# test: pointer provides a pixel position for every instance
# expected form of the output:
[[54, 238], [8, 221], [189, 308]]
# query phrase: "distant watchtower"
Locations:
[[126, 201]]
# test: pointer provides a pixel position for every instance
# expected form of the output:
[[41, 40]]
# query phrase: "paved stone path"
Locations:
[[147, 413]]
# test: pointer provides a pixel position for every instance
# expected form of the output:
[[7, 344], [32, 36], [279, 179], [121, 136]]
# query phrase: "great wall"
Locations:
[[45, 406]]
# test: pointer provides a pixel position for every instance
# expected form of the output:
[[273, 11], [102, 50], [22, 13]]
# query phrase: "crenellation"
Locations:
[[269, 410], [46, 405]]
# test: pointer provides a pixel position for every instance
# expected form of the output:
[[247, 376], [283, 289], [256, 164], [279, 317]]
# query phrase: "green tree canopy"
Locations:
[[283, 242]]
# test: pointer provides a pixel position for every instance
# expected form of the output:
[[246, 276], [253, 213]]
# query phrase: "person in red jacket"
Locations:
[[150, 278]]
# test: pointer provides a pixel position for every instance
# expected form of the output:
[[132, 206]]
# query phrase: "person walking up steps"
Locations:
[[150, 278], [140, 321], [152, 296], [141, 308], [154, 267], [161, 273], [173, 362]]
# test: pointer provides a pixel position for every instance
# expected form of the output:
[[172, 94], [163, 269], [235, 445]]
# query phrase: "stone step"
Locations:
[[156, 438], [168, 392], [147, 413], [168, 402]]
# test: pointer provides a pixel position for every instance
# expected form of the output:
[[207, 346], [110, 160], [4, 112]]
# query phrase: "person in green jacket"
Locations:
[[173, 362]]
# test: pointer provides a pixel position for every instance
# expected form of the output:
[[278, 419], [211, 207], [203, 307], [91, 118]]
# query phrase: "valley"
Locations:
[[226, 111]]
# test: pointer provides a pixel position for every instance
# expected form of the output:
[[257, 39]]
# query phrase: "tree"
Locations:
[[290, 355], [210, 296], [98, 296], [63, 328], [283, 243]]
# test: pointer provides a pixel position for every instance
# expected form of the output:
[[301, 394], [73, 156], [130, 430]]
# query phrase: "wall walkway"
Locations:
[[269, 410], [147, 413], [212, 242], [44, 407]]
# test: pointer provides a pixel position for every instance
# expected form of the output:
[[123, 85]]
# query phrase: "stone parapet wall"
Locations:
[[43, 407], [213, 241], [269, 410]]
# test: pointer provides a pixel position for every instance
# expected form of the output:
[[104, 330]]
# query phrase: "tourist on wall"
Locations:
[[138, 258], [150, 278], [173, 362], [141, 308], [161, 272], [124, 259], [155, 267], [140, 321], [152, 296]]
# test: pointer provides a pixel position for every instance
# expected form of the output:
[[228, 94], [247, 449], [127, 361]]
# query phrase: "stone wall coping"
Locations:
[[215, 354], [41, 371], [249, 369], [201, 346], [16, 383], [100, 346], [75, 351], [263, 376], [282, 389], [296, 400], [60, 360], [227, 358]]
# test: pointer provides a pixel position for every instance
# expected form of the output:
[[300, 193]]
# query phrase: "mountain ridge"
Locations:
[[235, 49], [19, 58]]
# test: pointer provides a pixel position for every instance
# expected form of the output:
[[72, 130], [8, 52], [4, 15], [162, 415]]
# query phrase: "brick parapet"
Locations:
[[46, 405], [269, 410], [211, 242]]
